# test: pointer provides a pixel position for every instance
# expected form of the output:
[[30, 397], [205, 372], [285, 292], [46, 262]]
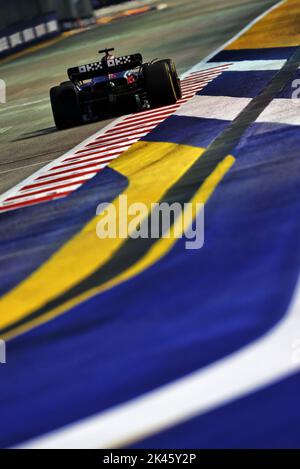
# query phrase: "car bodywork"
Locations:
[[114, 86], [110, 87]]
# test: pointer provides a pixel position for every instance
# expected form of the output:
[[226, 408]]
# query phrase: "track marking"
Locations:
[[156, 410], [188, 397], [5, 129], [164, 161], [282, 111], [214, 107], [15, 106]]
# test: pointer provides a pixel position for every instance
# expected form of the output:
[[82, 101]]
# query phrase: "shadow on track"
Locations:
[[37, 133]]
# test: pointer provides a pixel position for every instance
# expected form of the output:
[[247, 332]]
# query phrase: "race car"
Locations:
[[114, 86]]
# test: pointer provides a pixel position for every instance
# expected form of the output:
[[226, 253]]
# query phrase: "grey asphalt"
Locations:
[[186, 31]]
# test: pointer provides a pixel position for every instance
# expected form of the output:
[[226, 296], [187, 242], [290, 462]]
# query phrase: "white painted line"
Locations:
[[73, 170], [24, 167], [188, 96], [99, 151], [104, 161], [199, 83], [282, 111], [118, 130], [27, 197], [245, 65], [108, 143], [5, 129], [206, 70], [136, 125], [204, 77], [196, 83], [128, 135], [105, 155], [15, 106], [55, 183], [107, 146], [256, 65], [77, 162], [151, 113], [214, 107], [145, 129]]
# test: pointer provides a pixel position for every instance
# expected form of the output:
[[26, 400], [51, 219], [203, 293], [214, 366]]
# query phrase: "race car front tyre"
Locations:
[[65, 106], [160, 85]]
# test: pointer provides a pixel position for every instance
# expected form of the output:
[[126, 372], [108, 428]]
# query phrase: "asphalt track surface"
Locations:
[[187, 31], [142, 343]]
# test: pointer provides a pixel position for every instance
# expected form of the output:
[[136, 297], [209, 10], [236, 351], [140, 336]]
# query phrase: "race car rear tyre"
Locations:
[[175, 77], [63, 83], [65, 106], [160, 85]]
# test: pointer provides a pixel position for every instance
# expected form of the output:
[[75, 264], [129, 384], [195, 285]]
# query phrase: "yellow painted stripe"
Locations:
[[164, 245], [152, 168], [280, 28], [159, 249]]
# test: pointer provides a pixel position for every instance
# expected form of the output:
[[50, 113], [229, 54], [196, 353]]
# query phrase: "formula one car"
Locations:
[[113, 86]]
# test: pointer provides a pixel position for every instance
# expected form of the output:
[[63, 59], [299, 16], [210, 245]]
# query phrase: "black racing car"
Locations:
[[114, 86]]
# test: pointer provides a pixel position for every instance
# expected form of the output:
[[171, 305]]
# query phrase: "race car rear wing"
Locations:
[[113, 65]]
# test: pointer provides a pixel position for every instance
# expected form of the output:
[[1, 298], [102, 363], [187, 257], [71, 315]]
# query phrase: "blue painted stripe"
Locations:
[[186, 130], [277, 53], [275, 140], [28, 237], [246, 84], [214, 302], [268, 419]]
